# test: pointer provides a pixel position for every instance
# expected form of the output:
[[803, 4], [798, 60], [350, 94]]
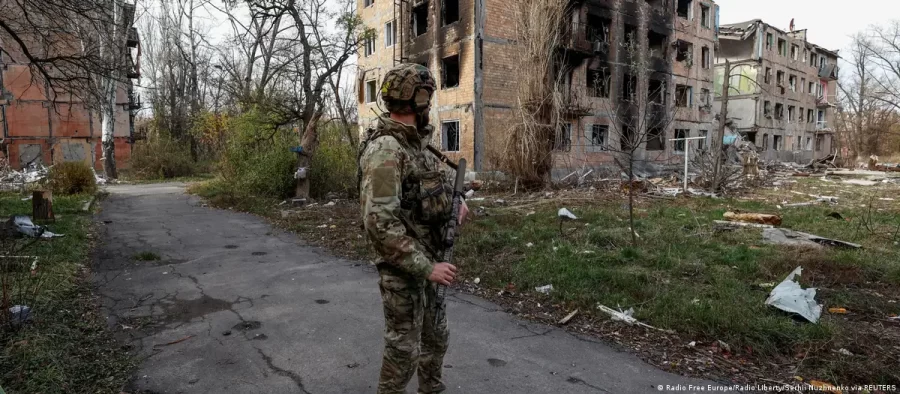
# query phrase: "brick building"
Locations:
[[40, 125], [783, 95], [470, 45]]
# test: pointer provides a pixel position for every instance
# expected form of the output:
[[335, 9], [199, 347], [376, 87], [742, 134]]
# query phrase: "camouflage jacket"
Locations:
[[405, 197]]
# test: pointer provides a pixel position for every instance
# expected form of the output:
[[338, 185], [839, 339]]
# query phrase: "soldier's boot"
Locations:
[[403, 303], [434, 347]]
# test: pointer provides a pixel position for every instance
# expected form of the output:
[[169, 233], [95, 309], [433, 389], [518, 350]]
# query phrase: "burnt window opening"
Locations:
[[629, 87], [655, 139], [683, 96], [598, 33], [563, 140], [367, 3], [450, 72], [656, 92], [767, 109], [371, 91], [598, 82], [449, 11], [631, 36], [599, 135], [684, 8], [680, 134], [684, 52], [419, 23], [779, 111], [450, 136], [704, 16], [656, 44]]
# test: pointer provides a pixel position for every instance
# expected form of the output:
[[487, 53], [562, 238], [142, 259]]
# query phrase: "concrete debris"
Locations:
[[12, 180], [780, 236], [790, 297], [544, 289], [760, 218]]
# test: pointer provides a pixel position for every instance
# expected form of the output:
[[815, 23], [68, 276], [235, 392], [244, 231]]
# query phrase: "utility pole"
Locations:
[[720, 135]]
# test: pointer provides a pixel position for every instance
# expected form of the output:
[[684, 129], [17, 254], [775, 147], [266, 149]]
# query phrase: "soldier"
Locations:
[[406, 203]]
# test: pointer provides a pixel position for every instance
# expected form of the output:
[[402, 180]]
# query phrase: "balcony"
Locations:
[[132, 38], [134, 70], [585, 40], [572, 102], [826, 101], [828, 72], [822, 126]]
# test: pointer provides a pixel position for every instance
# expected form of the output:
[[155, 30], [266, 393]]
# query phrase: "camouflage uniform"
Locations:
[[405, 200]]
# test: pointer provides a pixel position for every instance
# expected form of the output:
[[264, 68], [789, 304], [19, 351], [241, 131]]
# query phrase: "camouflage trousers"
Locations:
[[413, 343]]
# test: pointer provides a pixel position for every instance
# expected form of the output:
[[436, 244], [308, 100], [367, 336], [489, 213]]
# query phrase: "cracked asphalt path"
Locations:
[[234, 305]]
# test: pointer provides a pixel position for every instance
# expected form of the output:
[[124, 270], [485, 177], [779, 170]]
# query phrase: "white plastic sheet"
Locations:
[[790, 297]]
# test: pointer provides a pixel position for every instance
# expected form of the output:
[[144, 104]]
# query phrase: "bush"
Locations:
[[334, 165], [162, 157], [73, 177], [257, 158]]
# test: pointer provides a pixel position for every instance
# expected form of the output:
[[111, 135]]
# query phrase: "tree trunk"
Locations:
[[631, 198], [42, 205], [309, 143], [720, 135]]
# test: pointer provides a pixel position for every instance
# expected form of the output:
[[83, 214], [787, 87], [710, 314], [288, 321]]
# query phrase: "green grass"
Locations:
[[147, 256], [684, 277], [67, 348]]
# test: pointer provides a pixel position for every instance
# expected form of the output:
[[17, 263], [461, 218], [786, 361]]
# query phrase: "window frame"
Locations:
[[458, 136]]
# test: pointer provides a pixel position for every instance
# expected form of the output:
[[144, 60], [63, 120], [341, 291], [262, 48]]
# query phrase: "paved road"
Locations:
[[236, 306]]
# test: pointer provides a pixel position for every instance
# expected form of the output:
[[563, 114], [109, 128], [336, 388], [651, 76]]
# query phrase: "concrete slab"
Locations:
[[236, 306]]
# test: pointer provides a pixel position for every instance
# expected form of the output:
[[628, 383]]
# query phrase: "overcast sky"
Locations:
[[830, 23]]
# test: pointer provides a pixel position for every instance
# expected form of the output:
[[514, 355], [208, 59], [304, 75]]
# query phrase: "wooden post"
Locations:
[[42, 205]]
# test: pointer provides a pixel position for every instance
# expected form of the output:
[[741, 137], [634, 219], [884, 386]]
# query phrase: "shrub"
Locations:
[[257, 158], [73, 177], [334, 165], [162, 157]]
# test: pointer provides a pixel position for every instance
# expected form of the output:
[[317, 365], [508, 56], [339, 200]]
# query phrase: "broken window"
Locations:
[[705, 97], [656, 92], [371, 91], [813, 59], [369, 47], [627, 140], [820, 142], [802, 84], [685, 52], [779, 111], [782, 47], [450, 136], [778, 143], [808, 143], [420, 19], [704, 16], [768, 76], [389, 35], [629, 87], [655, 139], [449, 11], [680, 134], [791, 110], [812, 88], [599, 135], [792, 82], [701, 144], [450, 72], [631, 38], [684, 8], [656, 44], [683, 95], [800, 115], [795, 52], [769, 41], [767, 109], [563, 141], [805, 55], [810, 116], [598, 28], [598, 82], [765, 142], [705, 58], [367, 3], [779, 78]]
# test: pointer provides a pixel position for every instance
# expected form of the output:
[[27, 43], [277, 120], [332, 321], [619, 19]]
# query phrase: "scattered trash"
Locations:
[[565, 214], [692, 343], [330, 204], [529, 213], [627, 318], [25, 226], [837, 311], [470, 193], [759, 218], [322, 226], [844, 352], [782, 236], [695, 301], [722, 225], [587, 252], [500, 202], [476, 199], [860, 182], [544, 289], [528, 245], [476, 281], [723, 346], [790, 297], [19, 314], [886, 199], [568, 317], [767, 285]]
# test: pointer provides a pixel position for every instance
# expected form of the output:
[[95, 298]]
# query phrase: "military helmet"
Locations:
[[407, 87]]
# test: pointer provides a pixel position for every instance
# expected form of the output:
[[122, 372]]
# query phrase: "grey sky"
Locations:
[[830, 23]]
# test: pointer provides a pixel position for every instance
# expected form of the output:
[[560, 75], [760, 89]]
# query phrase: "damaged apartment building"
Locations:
[[471, 47], [43, 124], [783, 90]]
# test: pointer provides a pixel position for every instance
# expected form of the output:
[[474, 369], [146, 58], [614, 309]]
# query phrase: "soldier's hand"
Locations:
[[443, 273]]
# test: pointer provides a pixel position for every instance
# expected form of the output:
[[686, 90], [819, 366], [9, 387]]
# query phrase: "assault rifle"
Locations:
[[450, 237]]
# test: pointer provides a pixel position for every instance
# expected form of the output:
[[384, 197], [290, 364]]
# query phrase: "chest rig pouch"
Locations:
[[426, 195]]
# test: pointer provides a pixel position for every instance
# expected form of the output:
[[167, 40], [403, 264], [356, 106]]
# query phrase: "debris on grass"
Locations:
[[790, 297], [759, 218], [844, 352], [627, 318], [568, 317], [780, 236], [19, 315], [330, 204], [544, 289], [837, 311], [860, 182], [565, 214], [721, 225], [476, 281], [24, 225]]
